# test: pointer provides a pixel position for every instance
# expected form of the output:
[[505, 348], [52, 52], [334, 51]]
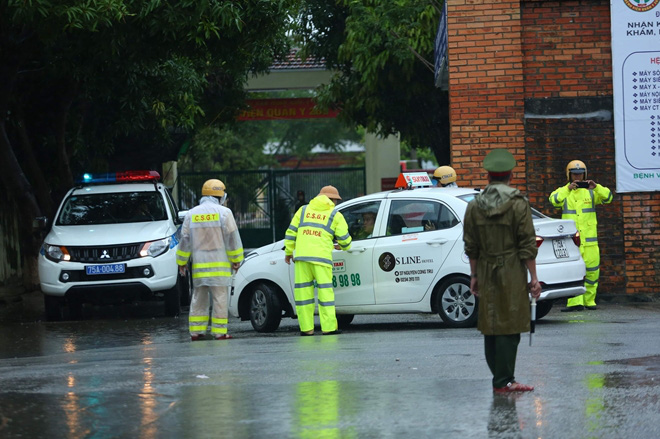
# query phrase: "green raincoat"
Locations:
[[499, 234]]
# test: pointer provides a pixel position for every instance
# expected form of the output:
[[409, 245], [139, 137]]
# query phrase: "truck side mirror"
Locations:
[[181, 215], [40, 223]]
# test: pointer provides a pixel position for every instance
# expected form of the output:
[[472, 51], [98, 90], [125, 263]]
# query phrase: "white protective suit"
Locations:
[[210, 236]]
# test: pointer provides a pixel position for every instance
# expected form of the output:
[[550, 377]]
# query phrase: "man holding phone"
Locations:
[[578, 200]]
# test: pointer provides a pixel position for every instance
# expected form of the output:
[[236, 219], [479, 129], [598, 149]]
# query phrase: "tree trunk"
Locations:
[[14, 179], [63, 153], [32, 168]]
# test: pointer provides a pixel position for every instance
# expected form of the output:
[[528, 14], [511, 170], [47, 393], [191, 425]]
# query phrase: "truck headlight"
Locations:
[[155, 248], [56, 253]]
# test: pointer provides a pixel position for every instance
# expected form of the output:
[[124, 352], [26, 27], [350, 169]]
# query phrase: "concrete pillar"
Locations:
[[382, 157]]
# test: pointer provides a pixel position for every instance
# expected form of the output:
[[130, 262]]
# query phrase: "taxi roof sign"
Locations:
[[413, 179]]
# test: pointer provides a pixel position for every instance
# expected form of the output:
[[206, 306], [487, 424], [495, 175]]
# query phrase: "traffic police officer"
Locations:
[[209, 233], [578, 199], [445, 176], [311, 233]]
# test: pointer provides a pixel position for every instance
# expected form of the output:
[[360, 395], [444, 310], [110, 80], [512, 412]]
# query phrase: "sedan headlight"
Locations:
[[155, 248], [56, 253]]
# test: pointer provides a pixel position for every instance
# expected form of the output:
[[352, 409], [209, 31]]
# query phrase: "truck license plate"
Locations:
[[105, 269], [560, 249]]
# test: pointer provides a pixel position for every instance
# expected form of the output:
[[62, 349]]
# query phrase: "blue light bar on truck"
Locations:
[[119, 177]]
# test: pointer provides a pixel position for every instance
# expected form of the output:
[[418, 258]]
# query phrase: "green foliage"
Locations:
[[241, 145], [121, 83], [228, 149], [383, 50]]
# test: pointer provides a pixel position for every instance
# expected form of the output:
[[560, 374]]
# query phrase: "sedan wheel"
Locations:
[[265, 309], [457, 305]]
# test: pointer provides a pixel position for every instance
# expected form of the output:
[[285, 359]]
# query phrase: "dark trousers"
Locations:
[[501, 352]]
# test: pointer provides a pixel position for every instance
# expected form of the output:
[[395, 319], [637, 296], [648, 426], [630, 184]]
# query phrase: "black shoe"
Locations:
[[306, 334], [591, 307], [335, 332], [573, 308]]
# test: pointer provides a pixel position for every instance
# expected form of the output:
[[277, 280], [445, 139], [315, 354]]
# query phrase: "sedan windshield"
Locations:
[[112, 208]]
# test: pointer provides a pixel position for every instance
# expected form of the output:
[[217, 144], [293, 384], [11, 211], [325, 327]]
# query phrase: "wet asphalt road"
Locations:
[[132, 373]]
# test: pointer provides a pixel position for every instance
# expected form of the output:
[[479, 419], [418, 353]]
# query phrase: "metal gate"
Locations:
[[263, 202]]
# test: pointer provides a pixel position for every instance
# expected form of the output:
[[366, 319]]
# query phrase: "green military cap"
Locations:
[[499, 161]]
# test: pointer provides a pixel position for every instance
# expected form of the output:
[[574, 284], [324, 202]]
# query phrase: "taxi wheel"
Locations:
[[343, 320], [265, 309], [456, 304], [543, 308]]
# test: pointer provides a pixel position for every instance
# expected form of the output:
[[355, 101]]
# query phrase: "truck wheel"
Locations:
[[173, 298], [186, 289], [53, 308], [265, 309], [75, 308]]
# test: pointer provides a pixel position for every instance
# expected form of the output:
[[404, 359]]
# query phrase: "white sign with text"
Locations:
[[636, 83]]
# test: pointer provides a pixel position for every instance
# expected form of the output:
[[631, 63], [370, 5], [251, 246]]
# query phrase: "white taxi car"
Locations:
[[113, 239], [412, 262]]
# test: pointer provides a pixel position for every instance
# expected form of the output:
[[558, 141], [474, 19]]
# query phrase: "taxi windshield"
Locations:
[[535, 213], [112, 208]]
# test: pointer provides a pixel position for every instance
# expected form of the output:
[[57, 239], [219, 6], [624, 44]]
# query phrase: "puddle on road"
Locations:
[[650, 377], [39, 339], [653, 360]]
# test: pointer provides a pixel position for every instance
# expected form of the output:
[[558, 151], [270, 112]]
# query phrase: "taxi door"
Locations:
[[419, 236], [352, 273]]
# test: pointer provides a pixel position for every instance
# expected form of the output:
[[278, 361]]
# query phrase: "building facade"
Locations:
[[535, 76]]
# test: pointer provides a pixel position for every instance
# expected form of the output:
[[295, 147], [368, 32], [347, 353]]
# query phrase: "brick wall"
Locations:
[[566, 48], [486, 84], [535, 76], [641, 241]]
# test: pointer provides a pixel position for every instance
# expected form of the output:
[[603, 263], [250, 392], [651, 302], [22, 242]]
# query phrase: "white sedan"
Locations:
[[412, 261]]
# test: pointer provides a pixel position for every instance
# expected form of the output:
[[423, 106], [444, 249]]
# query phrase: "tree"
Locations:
[[94, 84], [253, 144], [383, 50]]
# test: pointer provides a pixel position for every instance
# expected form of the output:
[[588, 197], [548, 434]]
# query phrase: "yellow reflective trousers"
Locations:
[[307, 276]]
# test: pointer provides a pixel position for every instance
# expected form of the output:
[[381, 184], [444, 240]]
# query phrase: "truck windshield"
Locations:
[[112, 208]]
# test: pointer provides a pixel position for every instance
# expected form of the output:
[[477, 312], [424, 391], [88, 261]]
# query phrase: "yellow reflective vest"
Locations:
[[312, 231], [209, 234], [580, 206]]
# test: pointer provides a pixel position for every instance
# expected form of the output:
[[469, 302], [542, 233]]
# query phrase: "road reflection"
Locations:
[[148, 429]]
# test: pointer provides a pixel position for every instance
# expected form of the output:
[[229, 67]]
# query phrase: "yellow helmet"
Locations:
[[213, 187], [577, 167], [445, 174]]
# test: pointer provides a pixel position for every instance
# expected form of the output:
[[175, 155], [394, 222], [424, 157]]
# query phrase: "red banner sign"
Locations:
[[279, 109]]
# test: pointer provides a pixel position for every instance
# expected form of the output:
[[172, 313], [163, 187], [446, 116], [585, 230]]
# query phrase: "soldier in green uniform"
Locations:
[[501, 244]]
